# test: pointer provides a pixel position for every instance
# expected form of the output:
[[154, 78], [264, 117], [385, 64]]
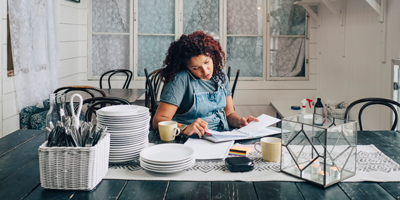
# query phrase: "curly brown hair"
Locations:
[[197, 43]]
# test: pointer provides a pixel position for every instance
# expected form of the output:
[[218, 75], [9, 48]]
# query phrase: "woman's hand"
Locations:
[[199, 127], [246, 120]]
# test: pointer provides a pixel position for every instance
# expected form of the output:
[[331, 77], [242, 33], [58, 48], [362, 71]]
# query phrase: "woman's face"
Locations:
[[201, 66]]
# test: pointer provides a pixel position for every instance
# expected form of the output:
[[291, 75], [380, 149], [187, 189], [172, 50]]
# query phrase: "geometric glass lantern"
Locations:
[[323, 155]]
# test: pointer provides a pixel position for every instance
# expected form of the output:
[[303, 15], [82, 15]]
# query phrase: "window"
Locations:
[[287, 31], [136, 34]]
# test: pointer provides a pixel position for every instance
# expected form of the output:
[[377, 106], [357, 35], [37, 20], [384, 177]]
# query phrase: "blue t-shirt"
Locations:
[[179, 92]]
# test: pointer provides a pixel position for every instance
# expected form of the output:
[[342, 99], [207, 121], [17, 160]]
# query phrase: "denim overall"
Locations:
[[209, 106]]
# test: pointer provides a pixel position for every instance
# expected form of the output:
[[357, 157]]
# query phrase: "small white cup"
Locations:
[[168, 130]]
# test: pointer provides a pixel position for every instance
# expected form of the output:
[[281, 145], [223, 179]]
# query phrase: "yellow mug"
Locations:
[[270, 148], [168, 130]]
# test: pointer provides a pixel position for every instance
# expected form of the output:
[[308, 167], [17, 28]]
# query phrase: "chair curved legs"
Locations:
[[380, 103]]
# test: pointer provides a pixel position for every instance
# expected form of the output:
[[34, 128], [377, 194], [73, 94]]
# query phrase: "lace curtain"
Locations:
[[245, 17], [287, 56], [154, 17], [33, 30], [110, 51], [287, 53], [201, 15]]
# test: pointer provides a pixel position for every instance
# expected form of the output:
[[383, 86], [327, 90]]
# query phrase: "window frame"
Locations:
[[90, 76], [306, 52], [222, 36]]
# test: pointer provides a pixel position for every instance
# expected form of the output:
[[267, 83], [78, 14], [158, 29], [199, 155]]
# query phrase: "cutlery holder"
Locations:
[[73, 168]]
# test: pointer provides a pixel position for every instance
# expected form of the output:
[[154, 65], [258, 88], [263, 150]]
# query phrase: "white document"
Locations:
[[253, 127], [252, 130], [206, 150]]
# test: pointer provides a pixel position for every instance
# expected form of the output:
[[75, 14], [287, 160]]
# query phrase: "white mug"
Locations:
[[168, 130]]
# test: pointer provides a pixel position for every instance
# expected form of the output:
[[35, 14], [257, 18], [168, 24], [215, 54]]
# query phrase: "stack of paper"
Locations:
[[252, 130]]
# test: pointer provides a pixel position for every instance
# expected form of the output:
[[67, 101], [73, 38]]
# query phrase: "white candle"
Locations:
[[321, 175], [335, 172], [315, 161], [315, 168]]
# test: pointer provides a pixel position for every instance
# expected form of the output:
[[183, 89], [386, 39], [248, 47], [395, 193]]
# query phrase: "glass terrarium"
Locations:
[[323, 154]]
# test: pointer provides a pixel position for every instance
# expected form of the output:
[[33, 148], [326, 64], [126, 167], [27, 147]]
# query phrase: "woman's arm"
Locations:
[[233, 119], [166, 111]]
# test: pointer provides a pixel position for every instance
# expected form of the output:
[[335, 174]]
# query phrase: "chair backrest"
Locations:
[[94, 104], [229, 73], [85, 91], [83, 88], [127, 72], [234, 82], [153, 86], [373, 101]]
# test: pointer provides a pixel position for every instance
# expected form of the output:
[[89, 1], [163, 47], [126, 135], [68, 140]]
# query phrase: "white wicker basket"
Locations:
[[73, 168]]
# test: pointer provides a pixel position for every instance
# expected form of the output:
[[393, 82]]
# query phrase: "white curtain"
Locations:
[[33, 29], [289, 57], [110, 51]]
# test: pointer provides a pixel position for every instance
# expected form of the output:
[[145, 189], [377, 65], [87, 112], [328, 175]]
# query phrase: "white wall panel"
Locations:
[[360, 73], [313, 66], [313, 51], [4, 57], [69, 50], [313, 35], [4, 31], [9, 105], [72, 32], [264, 97], [83, 63], [69, 67], [255, 111], [69, 15], [4, 9], [69, 80], [10, 125], [277, 85], [313, 23], [8, 85], [83, 48]]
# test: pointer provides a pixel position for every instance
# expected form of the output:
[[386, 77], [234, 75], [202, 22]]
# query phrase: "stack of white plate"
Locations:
[[167, 158], [128, 126]]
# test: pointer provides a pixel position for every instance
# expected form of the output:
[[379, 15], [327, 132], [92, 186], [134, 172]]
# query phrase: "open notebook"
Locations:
[[252, 130]]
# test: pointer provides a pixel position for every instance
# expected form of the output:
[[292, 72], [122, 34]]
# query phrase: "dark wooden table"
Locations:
[[129, 94], [20, 178]]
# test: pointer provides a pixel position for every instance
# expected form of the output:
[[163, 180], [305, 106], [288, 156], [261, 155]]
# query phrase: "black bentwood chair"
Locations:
[[236, 79], [94, 104], [127, 72], [153, 89], [374, 101]]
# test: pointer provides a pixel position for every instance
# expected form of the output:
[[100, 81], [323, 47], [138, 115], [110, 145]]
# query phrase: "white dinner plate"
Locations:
[[166, 171], [167, 153], [157, 166], [130, 147], [167, 163], [122, 110], [173, 168]]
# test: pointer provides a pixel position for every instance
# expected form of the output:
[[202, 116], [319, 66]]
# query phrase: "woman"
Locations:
[[197, 94]]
